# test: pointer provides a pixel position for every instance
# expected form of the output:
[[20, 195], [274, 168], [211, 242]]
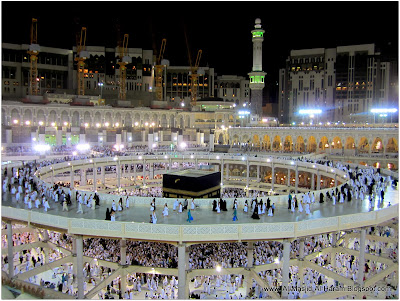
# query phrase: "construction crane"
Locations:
[[159, 71], [33, 51], [194, 77], [81, 55], [193, 72], [124, 59]]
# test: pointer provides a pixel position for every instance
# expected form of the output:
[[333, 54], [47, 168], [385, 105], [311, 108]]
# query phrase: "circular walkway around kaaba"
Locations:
[[207, 226]]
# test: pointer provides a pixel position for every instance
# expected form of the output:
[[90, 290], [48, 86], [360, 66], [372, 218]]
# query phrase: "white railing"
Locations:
[[200, 233]]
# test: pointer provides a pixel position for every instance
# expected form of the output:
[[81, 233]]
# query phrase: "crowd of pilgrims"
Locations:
[[204, 256]]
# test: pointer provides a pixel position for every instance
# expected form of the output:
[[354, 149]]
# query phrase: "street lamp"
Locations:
[[101, 84]]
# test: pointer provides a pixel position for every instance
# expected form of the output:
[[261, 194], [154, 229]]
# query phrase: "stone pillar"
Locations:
[[182, 272], [201, 137], [174, 137], [79, 265], [250, 252], [10, 250], [198, 137], [180, 138], [312, 181], [247, 177], [296, 180], [72, 178], [94, 176], [123, 263], [273, 176], [68, 137], [301, 249], [129, 138], [100, 138], [361, 258], [222, 171], [143, 135], [59, 136], [42, 135], [118, 169], [258, 173], [288, 178], [211, 142], [227, 172], [34, 138], [285, 268], [82, 135], [9, 135], [150, 139], [318, 181]]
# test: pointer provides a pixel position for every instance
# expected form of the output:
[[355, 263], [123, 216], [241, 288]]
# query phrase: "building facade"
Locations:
[[344, 83]]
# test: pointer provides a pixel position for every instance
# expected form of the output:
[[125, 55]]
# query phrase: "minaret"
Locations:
[[257, 75]]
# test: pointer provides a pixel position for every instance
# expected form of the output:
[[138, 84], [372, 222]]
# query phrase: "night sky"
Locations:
[[220, 29]]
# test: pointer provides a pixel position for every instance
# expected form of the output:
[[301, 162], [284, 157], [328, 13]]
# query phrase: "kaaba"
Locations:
[[191, 183]]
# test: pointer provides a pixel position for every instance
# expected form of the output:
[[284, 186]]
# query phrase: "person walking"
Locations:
[[190, 218]]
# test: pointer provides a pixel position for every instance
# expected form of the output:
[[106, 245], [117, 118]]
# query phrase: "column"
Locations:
[[82, 135], [46, 249], [247, 176], [150, 139], [258, 173], [94, 176], [100, 138], [68, 138], [211, 141], [9, 136], [312, 181], [288, 178], [222, 171], [227, 172], [143, 135], [318, 181], [296, 182], [72, 179], [59, 136], [361, 259], [42, 135], [79, 265], [10, 250], [301, 259], [123, 264], [273, 176], [250, 252], [118, 168], [182, 272], [129, 138], [285, 268]]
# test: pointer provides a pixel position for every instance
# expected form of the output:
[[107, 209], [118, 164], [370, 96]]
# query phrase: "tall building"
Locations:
[[257, 75], [233, 88], [338, 84]]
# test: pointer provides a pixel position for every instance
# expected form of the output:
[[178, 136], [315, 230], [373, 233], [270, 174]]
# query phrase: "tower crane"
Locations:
[[124, 59], [81, 55], [194, 78], [159, 71], [193, 73], [33, 51]]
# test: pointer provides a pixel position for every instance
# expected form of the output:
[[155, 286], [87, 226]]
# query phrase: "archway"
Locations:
[[350, 143], [324, 143], [312, 144], [300, 146], [277, 144], [363, 145], [256, 141], [266, 143], [288, 144], [377, 146], [392, 146]]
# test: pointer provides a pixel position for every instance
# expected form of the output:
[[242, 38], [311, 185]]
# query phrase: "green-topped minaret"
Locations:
[[256, 75]]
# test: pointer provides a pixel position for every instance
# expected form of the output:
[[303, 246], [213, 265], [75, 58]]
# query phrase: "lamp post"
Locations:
[[101, 84]]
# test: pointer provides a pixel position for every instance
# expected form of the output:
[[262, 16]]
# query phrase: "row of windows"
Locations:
[[20, 56]]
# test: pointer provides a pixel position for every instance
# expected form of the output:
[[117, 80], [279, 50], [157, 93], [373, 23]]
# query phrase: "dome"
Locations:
[[258, 21]]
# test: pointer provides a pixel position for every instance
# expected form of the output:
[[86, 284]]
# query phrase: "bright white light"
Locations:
[[33, 139], [86, 125], [15, 121], [154, 145], [117, 124], [115, 158], [136, 123], [42, 147], [183, 145], [98, 125], [276, 260], [83, 147], [27, 122], [53, 124], [140, 157], [243, 158], [393, 110], [310, 111], [165, 157], [65, 123], [74, 153], [218, 268], [182, 104], [107, 124], [244, 112], [292, 162], [146, 123], [217, 157], [191, 156], [40, 122]]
